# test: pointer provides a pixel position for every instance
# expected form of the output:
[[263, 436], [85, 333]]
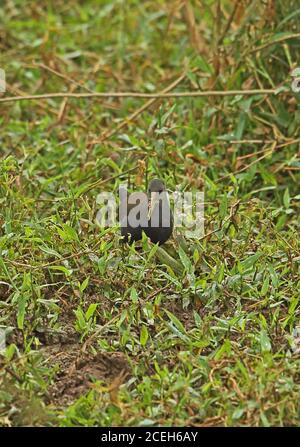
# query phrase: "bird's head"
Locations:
[[156, 185]]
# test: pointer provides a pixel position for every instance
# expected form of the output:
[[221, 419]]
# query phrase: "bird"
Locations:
[[130, 234], [154, 212], [131, 231], [160, 223]]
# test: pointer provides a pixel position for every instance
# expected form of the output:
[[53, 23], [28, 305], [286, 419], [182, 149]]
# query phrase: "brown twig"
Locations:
[[71, 81], [193, 94]]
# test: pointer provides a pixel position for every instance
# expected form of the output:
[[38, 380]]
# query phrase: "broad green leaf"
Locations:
[[61, 268], [91, 310], [249, 262], [224, 349], [70, 232], [84, 284], [144, 335], [134, 295], [185, 260], [80, 319], [50, 251]]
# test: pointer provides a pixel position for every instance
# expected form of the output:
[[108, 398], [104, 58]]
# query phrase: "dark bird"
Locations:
[[129, 233], [133, 214], [160, 222], [151, 214]]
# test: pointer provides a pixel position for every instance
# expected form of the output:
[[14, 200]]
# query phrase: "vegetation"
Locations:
[[197, 332]]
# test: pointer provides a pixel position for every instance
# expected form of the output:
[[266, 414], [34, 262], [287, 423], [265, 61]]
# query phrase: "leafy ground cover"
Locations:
[[202, 332]]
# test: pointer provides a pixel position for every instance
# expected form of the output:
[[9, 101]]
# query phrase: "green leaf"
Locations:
[[196, 256], [241, 126], [201, 63], [84, 285], [177, 323], [197, 319], [10, 351], [265, 343], [102, 264], [264, 419], [91, 310], [22, 301], [221, 273], [122, 318], [288, 17], [50, 251], [80, 319], [224, 349], [67, 233], [293, 305], [185, 260], [61, 268], [144, 335], [152, 251], [273, 275], [238, 413], [286, 198], [166, 259], [134, 295], [249, 262], [281, 222], [223, 206]]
